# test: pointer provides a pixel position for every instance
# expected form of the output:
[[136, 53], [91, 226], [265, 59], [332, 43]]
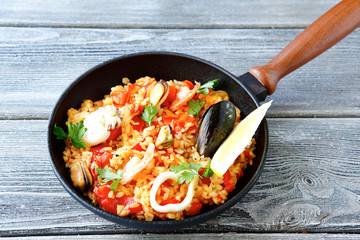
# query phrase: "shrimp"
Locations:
[[136, 164], [183, 96]]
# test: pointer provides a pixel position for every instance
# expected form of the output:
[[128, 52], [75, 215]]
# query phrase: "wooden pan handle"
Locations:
[[325, 32]]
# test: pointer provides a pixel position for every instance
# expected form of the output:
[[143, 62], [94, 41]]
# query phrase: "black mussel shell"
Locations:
[[215, 125]]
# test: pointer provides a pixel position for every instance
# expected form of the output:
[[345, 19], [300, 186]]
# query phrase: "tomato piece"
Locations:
[[204, 180], [229, 185], [169, 120], [105, 158], [138, 147], [141, 124], [172, 94], [110, 204], [189, 84], [169, 201], [135, 209], [194, 209], [114, 133], [119, 97], [101, 192], [130, 90], [126, 200], [101, 158], [179, 122]]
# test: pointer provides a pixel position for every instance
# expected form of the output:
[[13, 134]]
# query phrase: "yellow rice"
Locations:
[[182, 149]]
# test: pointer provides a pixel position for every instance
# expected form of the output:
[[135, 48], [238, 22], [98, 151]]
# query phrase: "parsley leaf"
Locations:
[[195, 107], [209, 85], [108, 175], [190, 171], [59, 133], [149, 113], [208, 171], [76, 132]]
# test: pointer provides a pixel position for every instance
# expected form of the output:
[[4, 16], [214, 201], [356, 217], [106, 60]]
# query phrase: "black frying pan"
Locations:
[[245, 92]]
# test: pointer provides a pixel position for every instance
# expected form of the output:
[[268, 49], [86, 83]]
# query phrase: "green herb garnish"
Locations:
[[76, 132], [149, 113], [209, 85], [195, 107], [208, 171], [107, 175], [190, 171]]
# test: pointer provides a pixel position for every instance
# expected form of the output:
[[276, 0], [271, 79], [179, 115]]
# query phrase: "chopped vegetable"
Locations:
[[208, 172], [229, 184], [139, 123], [149, 113], [120, 97], [194, 209], [102, 158], [195, 107], [189, 171], [107, 175], [209, 85], [76, 132], [110, 204]]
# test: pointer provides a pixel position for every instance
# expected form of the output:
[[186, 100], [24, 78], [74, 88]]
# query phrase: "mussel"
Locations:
[[159, 93], [164, 138], [215, 125], [80, 176]]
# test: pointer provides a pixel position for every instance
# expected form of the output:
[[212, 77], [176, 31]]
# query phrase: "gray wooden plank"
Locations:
[[162, 13], [204, 236], [311, 182], [37, 64]]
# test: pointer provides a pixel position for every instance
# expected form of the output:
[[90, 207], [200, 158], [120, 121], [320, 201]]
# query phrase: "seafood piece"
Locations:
[[159, 93], [164, 138], [136, 164], [80, 176], [172, 207], [183, 96], [99, 123], [215, 125]]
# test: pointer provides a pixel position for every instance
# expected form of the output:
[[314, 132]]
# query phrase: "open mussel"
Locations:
[[216, 124], [159, 93], [164, 138], [80, 176]]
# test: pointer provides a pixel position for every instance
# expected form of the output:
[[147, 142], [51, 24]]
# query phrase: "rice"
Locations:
[[133, 143]]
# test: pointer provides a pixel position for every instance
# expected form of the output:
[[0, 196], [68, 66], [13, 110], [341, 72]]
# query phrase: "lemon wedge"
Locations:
[[236, 142]]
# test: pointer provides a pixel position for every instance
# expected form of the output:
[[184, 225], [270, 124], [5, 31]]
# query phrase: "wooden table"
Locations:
[[311, 182]]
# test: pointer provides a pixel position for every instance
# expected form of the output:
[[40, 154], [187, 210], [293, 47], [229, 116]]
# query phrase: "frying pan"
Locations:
[[245, 92]]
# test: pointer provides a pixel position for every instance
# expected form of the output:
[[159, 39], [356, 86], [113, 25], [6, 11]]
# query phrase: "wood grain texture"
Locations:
[[162, 13], [37, 64], [311, 182], [205, 236]]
